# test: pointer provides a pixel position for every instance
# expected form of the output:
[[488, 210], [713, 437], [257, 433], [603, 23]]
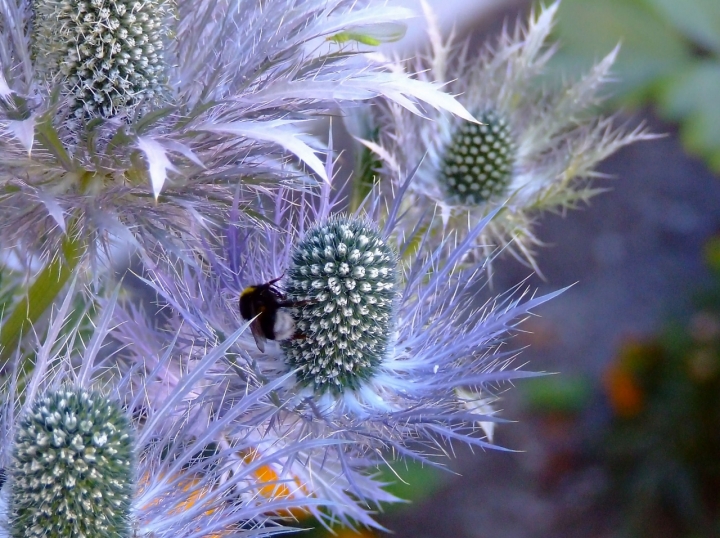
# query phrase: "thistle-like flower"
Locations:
[[95, 446], [345, 275], [134, 122], [536, 150], [79, 441], [387, 333], [106, 57], [478, 161]]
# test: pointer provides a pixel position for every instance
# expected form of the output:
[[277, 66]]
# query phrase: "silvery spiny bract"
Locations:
[[537, 150], [180, 127], [134, 122], [418, 374], [95, 446]]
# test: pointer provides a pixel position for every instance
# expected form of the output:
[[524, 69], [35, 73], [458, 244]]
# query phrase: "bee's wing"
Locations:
[[257, 333]]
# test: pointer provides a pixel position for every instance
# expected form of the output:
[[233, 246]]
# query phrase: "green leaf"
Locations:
[[40, 295], [651, 48], [366, 174], [49, 138], [692, 97], [699, 20]]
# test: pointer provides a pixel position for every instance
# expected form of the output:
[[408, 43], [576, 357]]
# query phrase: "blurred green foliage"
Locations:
[[663, 443], [556, 394], [670, 57]]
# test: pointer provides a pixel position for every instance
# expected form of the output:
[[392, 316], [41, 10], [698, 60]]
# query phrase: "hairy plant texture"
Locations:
[[136, 122], [334, 382], [199, 469]]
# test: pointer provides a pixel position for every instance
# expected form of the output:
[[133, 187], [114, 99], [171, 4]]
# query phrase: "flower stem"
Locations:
[[40, 295]]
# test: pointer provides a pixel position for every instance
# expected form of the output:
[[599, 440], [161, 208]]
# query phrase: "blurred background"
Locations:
[[624, 441]]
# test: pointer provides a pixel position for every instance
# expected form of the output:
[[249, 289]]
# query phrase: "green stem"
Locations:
[[366, 173], [40, 295]]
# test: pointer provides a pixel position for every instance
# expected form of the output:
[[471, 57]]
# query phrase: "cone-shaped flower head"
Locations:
[[479, 159], [344, 275], [72, 470], [106, 55]]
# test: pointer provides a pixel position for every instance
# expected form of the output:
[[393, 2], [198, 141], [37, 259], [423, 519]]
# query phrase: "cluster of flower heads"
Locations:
[[133, 122], [298, 344], [537, 150], [391, 351]]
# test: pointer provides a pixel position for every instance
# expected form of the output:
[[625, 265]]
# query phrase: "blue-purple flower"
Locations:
[[133, 122], [93, 444], [392, 350]]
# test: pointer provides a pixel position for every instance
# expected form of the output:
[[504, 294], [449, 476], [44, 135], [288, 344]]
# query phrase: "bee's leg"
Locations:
[[299, 336], [293, 304]]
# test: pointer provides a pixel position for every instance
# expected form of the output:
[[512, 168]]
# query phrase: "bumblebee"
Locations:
[[264, 304]]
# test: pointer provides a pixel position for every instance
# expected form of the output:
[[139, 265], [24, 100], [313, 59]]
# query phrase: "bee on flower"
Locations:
[[389, 350], [92, 446], [534, 148], [128, 125]]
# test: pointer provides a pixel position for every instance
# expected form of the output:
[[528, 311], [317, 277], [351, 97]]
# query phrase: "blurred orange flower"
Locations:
[[623, 391]]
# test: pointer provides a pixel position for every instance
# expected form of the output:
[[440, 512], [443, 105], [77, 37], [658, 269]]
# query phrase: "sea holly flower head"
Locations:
[[345, 276], [388, 332], [106, 56], [479, 160], [537, 148], [77, 440]]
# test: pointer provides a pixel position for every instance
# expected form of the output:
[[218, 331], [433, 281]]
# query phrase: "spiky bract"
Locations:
[[244, 78], [72, 472], [479, 159], [107, 55], [345, 274], [439, 339]]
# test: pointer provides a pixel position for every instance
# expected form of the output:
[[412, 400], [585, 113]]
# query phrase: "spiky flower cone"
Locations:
[[479, 159], [106, 54], [72, 470], [345, 275]]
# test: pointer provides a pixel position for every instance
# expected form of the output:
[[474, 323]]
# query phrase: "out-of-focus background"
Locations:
[[625, 440]]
